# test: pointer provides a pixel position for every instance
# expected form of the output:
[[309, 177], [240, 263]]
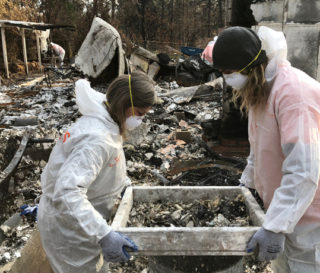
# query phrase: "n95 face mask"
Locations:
[[133, 122], [236, 80]]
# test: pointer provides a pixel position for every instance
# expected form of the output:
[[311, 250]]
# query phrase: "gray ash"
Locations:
[[222, 211]]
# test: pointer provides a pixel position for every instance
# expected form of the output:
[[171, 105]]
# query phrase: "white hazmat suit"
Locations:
[[284, 161], [84, 176], [58, 50]]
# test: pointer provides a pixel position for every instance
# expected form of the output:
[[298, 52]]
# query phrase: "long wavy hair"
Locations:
[[255, 93]]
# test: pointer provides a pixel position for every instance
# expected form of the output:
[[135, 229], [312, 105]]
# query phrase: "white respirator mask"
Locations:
[[236, 80], [133, 122]]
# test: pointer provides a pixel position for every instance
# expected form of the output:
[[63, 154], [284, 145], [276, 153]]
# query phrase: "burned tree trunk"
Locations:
[[242, 14]]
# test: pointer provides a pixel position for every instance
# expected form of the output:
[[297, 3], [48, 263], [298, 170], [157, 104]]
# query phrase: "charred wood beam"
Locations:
[[211, 165], [178, 178], [239, 164], [33, 25], [40, 140], [8, 171]]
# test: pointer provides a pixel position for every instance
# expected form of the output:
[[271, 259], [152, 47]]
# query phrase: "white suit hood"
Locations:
[[275, 45], [92, 103]]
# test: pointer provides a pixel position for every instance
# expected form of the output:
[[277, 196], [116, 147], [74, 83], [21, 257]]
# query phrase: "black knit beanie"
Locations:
[[236, 48]]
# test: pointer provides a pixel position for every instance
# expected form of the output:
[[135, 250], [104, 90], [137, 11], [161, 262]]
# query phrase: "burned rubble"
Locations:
[[220, 212], [42, 113], [170, 148], [175, 141]]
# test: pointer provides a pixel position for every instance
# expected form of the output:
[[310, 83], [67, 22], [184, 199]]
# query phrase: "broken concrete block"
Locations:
[[137, 136], [139, 61], [300, 11], [153, 70], [268, 11], [303, 47]]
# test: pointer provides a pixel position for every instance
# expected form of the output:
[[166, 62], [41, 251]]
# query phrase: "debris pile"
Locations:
[[169, 148], [170, 142], [221, 212], [40, 106], [42, 113]]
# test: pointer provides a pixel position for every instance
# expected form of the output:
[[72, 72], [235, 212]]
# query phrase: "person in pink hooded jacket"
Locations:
[[58, 51], [283, 107]]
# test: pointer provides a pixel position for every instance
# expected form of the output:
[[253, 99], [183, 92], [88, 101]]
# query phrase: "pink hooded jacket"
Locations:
[[284, 163]]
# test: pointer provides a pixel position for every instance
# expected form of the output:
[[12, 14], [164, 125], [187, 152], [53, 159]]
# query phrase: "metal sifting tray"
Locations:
[[198, 241]]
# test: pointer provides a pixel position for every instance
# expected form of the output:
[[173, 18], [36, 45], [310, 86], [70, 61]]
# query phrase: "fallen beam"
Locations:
[[7, 172], [33, 82], [215, 164], [146, 54], [33, 25]]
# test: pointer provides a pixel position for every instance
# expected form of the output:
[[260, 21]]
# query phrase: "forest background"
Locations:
[[149, 23]]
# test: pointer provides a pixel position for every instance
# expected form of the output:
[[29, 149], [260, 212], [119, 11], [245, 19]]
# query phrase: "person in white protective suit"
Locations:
[[86, 174], [283, 107], [58, 51]]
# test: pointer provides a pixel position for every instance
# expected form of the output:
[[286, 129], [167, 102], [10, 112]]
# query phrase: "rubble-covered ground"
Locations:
[[167, 149]]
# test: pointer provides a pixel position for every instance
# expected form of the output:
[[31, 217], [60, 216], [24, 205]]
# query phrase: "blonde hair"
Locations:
[[255, 93], [118, 96]]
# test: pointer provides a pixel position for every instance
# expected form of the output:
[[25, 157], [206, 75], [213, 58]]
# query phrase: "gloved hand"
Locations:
[[270, 244], [114, 246], [29, 211]]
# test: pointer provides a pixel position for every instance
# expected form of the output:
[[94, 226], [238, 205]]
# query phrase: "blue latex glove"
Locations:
[[114, 247], [270, 244], [29, 211]]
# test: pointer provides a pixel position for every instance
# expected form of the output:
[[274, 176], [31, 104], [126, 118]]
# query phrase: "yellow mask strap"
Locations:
[[107, 103], [256, 57], [131, 94]]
